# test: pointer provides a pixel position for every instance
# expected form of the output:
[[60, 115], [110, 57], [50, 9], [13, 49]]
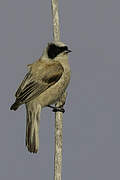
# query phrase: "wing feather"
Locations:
[[37, 80], [27, 76]]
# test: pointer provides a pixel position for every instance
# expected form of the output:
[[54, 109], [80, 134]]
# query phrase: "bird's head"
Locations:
[[56, 50]]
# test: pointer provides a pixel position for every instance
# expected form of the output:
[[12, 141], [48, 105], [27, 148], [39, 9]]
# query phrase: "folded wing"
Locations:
[[36, 81]]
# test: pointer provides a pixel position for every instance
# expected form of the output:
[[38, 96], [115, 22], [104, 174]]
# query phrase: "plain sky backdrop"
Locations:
[[91, 125]]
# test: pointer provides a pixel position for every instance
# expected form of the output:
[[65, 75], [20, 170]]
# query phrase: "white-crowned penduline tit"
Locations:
[[43, 85]]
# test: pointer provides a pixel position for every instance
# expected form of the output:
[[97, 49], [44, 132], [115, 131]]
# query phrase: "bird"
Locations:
[[43, 85]]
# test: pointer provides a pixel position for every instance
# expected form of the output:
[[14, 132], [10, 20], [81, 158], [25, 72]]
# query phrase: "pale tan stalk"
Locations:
[[58, 115]]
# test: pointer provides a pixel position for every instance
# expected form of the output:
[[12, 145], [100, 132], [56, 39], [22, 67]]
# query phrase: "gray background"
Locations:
[[91, 147]]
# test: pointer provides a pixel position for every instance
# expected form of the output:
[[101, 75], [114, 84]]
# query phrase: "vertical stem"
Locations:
[[58, 115], [58, 146], [55, 16]]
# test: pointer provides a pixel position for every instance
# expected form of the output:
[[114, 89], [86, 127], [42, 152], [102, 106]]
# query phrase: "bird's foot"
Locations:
[[56, 109], [60, 109]]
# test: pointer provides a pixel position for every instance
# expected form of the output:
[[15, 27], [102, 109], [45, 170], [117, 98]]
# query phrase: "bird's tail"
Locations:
[[32, 126], [15, 106]]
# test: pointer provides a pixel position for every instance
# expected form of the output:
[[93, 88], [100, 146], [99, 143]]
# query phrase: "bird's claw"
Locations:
[[56, 109]]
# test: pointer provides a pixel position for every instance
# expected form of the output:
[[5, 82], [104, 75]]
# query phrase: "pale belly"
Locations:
[[53, 93]]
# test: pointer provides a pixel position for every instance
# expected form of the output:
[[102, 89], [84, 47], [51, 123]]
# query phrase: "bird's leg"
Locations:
[[60, 109], [56, 109], [51, 106]]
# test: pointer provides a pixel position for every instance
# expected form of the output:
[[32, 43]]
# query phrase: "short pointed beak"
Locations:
[[68, 51]]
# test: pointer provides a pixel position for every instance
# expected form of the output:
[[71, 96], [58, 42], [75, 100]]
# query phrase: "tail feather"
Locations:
[[32, 126], [15, 106]]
